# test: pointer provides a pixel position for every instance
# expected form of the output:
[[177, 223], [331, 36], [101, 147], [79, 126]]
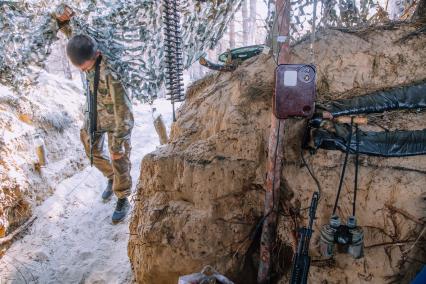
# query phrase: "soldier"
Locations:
[[114, 117]]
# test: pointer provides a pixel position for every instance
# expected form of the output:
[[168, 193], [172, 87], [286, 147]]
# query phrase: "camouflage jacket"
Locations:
[[114, 105]]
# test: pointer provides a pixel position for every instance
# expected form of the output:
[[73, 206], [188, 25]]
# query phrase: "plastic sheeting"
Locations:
[[410, 97], [383, 144]]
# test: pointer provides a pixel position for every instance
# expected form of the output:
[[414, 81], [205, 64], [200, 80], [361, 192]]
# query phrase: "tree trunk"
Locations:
[[192, 73], [232, 34], [270, 22], [246, 22], [253, 24]]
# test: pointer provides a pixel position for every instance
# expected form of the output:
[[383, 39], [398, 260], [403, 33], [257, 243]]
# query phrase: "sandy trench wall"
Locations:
[[200, 196], [52, 108]]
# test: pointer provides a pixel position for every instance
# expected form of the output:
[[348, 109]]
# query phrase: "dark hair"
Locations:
[[81, 48]]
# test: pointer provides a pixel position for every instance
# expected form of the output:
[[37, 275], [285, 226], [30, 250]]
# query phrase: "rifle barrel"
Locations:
[[302, 260]]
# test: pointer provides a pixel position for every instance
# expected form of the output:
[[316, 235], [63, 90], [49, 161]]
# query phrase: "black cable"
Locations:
[[342, 175], [356, 167], [305, 163], [258, 227]]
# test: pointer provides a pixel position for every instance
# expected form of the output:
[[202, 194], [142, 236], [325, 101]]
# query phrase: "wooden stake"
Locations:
[[275, 156]]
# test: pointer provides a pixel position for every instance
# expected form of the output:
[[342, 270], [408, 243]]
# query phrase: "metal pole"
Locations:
[[275, 156]]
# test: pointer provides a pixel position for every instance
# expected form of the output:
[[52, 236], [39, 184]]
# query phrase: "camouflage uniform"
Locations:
[[115, 118]]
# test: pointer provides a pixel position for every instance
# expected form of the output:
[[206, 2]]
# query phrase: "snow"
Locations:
[[52, 109], [73, 239]]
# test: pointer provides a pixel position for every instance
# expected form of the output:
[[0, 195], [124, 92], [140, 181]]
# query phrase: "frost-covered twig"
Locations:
[[17, 231]]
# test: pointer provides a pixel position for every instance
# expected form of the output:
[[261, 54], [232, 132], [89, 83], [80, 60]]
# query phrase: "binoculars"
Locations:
[[349, 238]]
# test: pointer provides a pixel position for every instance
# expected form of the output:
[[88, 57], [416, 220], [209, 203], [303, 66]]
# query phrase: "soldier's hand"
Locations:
[[64, 13], [116, 156]]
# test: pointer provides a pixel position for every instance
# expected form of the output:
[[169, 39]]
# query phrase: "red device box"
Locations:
[[295, 91]]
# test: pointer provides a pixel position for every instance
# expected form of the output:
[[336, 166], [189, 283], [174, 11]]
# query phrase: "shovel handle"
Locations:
[[361, 120]]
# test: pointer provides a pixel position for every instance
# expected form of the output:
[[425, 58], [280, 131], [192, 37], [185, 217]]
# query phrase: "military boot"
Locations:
[[106, 195], [121, 210]]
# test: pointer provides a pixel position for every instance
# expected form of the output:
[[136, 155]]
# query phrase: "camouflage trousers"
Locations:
[[118, 170]]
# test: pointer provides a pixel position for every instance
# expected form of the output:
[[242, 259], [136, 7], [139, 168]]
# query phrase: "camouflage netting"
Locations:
[[339, 14], [130, 33], [346, 14]]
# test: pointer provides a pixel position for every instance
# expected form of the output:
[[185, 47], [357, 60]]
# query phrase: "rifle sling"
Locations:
[[95, 94]]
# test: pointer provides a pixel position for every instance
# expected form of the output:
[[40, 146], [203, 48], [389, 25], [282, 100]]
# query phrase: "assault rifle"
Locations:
[[91, 120], [302, 260], [92, 102]]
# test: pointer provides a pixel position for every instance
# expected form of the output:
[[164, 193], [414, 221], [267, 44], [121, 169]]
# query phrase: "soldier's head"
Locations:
[[82, 50]]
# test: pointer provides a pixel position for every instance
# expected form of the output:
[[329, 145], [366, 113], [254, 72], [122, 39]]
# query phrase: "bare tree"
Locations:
[[270, 21], [232, 34], [192, 73], [245, 19], [253, 24]]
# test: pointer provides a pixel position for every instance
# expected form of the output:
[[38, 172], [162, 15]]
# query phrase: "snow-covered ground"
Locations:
[[73, 240]]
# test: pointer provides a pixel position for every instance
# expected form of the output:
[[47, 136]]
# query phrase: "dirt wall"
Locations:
[[200, 197], [52, 109]]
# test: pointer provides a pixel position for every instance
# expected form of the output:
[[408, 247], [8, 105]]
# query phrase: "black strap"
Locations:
[[344, 168], [356, 168], [342, 175], [95, 92]]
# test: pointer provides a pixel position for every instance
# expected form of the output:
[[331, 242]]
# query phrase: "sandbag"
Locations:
[[383, 144], [409, 97]]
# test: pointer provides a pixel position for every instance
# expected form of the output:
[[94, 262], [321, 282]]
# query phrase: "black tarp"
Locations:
[[410, 97], [384, 144]]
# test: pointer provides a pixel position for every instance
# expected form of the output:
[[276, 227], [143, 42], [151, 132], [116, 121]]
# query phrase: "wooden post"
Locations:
[[275, 157]]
